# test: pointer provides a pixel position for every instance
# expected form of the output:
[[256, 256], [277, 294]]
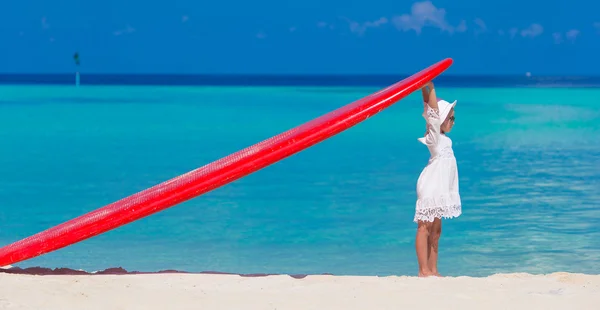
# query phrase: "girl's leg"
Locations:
[[434, 238], [422, 246]]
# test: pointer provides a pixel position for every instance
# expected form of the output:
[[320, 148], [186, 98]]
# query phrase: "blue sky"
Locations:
[[304, 36]]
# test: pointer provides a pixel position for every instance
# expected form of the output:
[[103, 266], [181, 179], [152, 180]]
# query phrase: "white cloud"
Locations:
[[423, 14], [377, 23], [462, 26], [557, 37], [572, 34], [125, 30], [360, 29], [532, 31], [481, 24]]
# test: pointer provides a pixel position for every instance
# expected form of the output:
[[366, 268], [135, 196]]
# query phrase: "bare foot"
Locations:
[[436, 273], [425, 274]]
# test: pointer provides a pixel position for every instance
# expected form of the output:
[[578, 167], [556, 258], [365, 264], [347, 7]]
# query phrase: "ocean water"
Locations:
[[529, 167]]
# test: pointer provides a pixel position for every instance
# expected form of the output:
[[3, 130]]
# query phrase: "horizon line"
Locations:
[[294, 74]]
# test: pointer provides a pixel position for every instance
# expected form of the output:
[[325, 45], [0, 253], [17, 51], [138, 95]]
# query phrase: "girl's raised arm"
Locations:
[[429, 96]]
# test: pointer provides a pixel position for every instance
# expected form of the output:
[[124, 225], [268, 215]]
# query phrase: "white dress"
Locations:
[[437, 187]]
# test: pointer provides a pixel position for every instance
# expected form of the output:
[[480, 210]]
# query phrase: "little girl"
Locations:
[[437, 187]]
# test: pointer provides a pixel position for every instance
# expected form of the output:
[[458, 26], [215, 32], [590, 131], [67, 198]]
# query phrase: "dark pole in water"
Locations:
[[76, 58]]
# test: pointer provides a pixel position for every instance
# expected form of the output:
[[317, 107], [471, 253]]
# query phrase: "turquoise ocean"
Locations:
[[529, 168]]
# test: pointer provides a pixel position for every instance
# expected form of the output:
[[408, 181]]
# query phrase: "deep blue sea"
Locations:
[[528, 151]]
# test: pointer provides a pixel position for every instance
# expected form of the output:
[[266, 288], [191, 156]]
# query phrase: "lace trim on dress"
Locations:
[[445, 206], [430, 112]]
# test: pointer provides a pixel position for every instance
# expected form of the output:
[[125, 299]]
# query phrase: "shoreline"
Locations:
[[63, 271], [60, 271], [109, 289]]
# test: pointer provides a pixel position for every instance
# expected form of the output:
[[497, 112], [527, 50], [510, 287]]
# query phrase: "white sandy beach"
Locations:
[[208, 291]]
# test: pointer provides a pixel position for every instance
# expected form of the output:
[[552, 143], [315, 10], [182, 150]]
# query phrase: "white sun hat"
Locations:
[[444, 107]]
